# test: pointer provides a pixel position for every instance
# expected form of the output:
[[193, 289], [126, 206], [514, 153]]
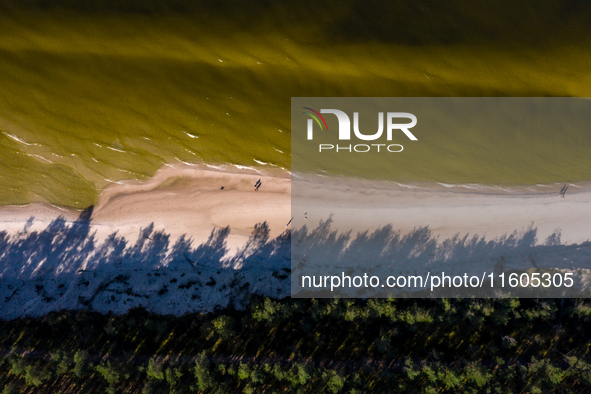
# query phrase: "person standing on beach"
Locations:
[[563, 191]]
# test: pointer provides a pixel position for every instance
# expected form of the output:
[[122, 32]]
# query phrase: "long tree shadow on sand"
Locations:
[[323, 251], [65, 266]]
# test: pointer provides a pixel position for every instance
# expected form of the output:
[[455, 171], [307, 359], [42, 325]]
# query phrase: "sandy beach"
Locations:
[[188, 200], [178, 243], [447, 210], [183, 200], [180, 200]]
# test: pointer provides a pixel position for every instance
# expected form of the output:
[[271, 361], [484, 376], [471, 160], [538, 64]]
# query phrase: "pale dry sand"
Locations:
[[180, 200], [486, 211], [187, 200]]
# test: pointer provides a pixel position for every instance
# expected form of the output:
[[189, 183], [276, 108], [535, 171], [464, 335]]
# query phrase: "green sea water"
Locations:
[[506, 140], [94, 92]]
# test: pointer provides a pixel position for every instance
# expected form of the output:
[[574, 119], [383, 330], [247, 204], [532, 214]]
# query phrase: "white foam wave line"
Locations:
[[184, 162], [255, 169], [117, 182], [475, 186], [277, 150], [260, 162], [116, 150], [244, 167], [127, 172], [191, 135], [408, 186], [40, 158], [17, 139]]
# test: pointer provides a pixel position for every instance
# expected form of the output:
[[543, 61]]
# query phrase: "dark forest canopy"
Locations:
[[463, 345]]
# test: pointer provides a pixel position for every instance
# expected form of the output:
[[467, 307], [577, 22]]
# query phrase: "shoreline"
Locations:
[[186, 199], [460, 188], [446, 211], [177, 243], [179, 200]]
